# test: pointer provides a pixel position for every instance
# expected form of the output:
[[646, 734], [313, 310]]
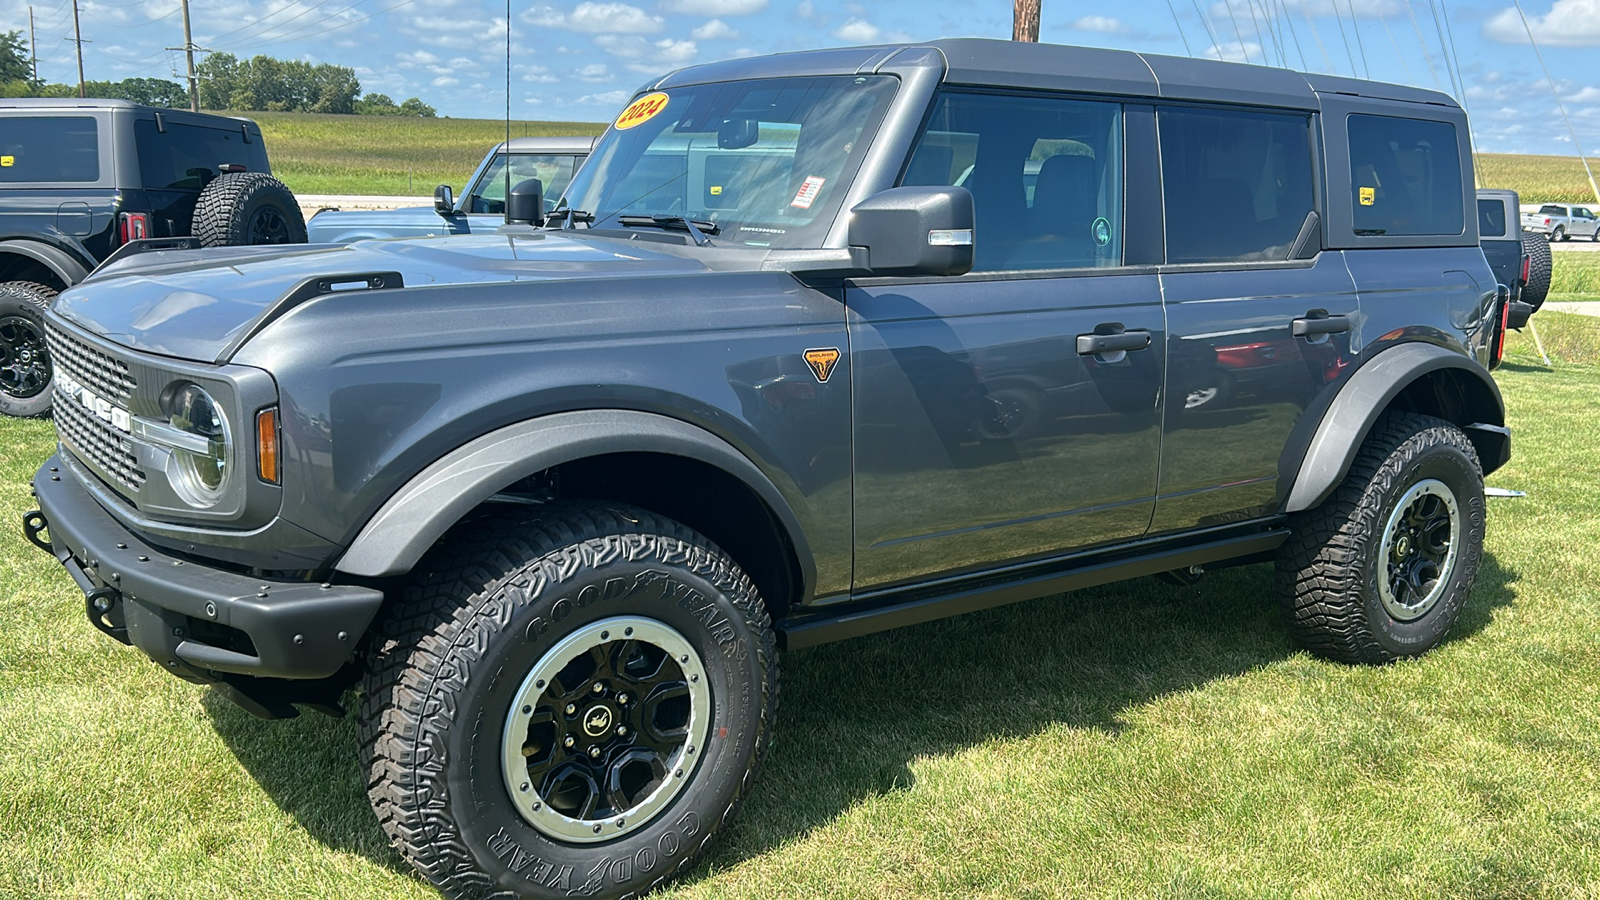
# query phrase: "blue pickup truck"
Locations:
[[481, 206]]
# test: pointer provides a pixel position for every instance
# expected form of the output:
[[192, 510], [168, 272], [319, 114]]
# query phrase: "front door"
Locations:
[[1013, 413]]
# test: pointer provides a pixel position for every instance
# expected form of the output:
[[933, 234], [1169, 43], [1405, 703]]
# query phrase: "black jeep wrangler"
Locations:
[[816, 345], [81, 178]]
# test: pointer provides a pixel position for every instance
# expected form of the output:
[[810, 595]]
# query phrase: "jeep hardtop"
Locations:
[[814, 345]]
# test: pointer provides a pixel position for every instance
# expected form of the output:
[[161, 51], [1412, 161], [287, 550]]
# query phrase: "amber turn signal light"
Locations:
[[267, 445]]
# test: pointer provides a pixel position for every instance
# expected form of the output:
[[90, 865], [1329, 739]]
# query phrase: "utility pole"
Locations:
[[1025, 20], [78, 39], [33, 45], [188, 49]]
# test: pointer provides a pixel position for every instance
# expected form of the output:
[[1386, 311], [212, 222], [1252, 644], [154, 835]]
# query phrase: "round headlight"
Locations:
[[200, 476]]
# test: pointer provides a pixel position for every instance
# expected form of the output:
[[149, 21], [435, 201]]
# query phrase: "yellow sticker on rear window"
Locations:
[[8, 161], [1369, 196], [641, 110]]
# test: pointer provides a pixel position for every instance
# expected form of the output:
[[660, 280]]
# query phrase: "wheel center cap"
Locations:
[[1402, 546], [27, 355], [597, 720]]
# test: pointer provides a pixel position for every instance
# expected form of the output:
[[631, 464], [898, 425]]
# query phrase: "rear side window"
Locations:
[[1237, 185], [186, 157], [49, 149], [1550, 209], [1405, 176], [1491, 218]]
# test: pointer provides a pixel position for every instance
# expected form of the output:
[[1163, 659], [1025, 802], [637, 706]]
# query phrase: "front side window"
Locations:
[[186, 157], [1236, 184], [1491, 218], [1405, 176], [1045, 176], [555, 171], [767, 162], [60, 149]]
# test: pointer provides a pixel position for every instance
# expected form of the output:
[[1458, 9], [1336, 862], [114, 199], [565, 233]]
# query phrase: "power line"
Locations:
[[1444, 49], [1289, 20], [1559, 105], [1238, 35], [1356, 27], [296, 34], [249, 25], [1346, 38], [1206, 24], [1316, 34], [1174, 10], [1421, 41]]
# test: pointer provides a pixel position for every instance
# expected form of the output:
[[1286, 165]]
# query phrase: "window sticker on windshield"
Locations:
[[1369, 196], [808, 192], [641, 110]]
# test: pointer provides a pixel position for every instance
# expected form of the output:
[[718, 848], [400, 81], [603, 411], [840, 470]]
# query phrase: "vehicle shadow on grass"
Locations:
[[854, 714]]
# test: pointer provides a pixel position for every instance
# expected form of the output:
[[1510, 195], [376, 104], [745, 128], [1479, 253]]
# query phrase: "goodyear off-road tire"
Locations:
[[1537, 247], [1354, 575], [248, 208], [25, 370], [460, 709]]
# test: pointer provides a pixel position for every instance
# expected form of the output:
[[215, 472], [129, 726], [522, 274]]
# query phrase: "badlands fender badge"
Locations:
[[822, 362]]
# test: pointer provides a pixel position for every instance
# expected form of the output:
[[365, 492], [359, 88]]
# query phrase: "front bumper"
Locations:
[[202, 623]]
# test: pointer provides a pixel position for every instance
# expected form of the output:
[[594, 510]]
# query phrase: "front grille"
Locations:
[[101, 373], [96, 441]]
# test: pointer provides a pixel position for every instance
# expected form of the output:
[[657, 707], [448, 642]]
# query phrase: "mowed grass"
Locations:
[[1538, 179], [1575, 275], [1136, 740], [387, 155]]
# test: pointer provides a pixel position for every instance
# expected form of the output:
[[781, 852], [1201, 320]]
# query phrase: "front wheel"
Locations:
[[1382, 568], [565, 705]]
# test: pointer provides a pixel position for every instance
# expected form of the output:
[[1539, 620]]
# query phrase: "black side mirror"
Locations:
[[1519, 314], [525, 205], [737, 134], [444, 200], [915, 231]]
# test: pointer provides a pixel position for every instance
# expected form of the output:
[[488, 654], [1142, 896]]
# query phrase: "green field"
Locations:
[[1538, 179], [1136, 740], [387, 155]]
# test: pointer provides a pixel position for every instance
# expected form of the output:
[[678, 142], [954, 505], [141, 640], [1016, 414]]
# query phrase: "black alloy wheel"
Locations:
[[267, 226], [24, 358]]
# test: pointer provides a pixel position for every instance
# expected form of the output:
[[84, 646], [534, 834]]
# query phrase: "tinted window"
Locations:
[[1045, 176], [1405, 176], [1582, 213], [49, 148], [1491, 218], [1550, 209], [185, 158], [1236, 184], [555, 171]]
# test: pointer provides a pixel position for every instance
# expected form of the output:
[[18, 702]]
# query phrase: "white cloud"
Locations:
[[593, 72], [609, 98], [858, 31], [716, 29], [1569, 23], [1587, 95], [671, 51], [597, 18], [417, 58], [1233, 51], [1101, 24], [446, 81], [715, 7]]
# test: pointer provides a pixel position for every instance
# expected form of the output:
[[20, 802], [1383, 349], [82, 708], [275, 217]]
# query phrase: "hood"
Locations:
[[331, 224], [203, 304]]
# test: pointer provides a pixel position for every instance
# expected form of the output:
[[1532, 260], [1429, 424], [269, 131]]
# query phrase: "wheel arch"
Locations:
[[606, 455], [23, 260], [1414, 377]]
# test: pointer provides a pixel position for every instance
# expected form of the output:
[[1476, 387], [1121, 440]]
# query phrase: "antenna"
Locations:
[[507, 151]]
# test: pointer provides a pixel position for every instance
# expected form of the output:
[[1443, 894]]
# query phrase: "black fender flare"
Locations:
[[1367, 393], [65, 266], [418, 514]]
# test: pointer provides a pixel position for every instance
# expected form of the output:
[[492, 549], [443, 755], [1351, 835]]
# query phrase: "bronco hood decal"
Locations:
[[202, 304]]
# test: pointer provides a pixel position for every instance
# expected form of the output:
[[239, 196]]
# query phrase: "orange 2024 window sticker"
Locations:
[[641, 110]]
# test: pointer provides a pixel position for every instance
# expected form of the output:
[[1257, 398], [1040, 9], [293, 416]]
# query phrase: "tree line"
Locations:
[[259, 84]]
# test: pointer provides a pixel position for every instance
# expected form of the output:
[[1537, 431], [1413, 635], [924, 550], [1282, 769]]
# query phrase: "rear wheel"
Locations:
[[571, 704], [25, 370], [1382, 568], [1559, 234]]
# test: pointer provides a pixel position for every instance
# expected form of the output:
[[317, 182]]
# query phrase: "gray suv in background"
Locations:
[[481, 206], [815, 345]]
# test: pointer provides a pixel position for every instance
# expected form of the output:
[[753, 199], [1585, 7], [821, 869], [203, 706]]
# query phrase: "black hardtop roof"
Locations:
[[979, 61]]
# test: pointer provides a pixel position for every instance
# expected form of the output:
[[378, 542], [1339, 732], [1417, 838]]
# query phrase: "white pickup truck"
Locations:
[[1562, 223]]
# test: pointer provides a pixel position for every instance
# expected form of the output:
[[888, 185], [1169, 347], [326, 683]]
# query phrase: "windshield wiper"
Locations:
[[697, 230], [569, 216]]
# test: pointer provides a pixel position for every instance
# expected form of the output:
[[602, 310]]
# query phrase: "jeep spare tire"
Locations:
[[1537, 249], [248, 208]]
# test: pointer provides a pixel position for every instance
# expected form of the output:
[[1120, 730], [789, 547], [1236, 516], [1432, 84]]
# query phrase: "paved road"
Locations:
[[1591, 308], [310, 203]]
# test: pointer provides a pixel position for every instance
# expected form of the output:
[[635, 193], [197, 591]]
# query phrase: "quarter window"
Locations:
[[1236, 184], [49, 149], [1045, 176], [1491, 218], [1405, 176]]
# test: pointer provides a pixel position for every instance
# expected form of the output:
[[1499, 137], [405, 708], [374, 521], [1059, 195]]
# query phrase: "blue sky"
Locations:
[[581, 60]]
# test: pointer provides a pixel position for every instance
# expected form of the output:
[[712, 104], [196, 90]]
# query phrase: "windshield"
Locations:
[[767, 162], [488, 195]]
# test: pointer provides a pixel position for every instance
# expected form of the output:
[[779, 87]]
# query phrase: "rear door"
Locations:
[[987, 428], [1259, 319]]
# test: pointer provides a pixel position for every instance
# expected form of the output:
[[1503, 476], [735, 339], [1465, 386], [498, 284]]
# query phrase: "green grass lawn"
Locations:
[[387, 155], [1136, 740], [1575, 275]]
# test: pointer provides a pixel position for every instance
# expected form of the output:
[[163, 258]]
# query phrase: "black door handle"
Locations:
[[1090, 344], [1312, 326]]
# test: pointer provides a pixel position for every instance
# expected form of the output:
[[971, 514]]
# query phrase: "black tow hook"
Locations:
[[33, 525], [103, 607]]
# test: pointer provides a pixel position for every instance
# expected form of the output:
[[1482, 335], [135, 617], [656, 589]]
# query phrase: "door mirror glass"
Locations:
[[444, 200]]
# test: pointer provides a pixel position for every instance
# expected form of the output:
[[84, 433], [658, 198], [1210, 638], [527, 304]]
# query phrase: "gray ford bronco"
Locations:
[[815, 345]]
